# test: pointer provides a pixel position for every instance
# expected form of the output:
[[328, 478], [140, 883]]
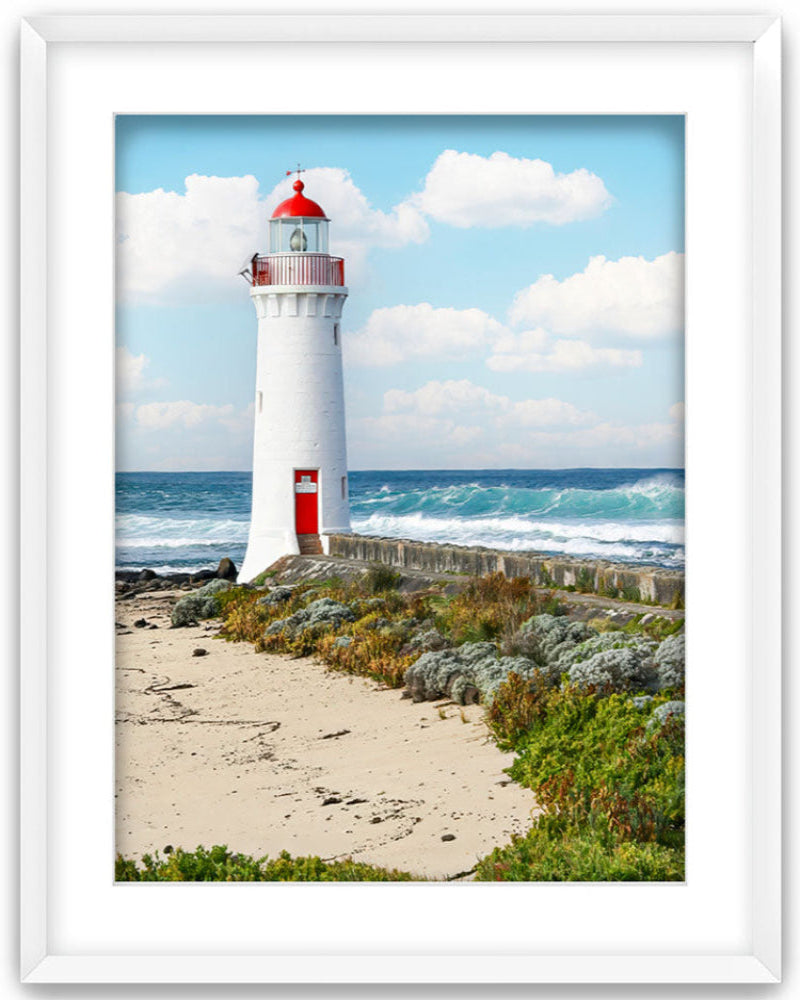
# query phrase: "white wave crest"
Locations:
[[670, 533], [660, 542], [142, 532]]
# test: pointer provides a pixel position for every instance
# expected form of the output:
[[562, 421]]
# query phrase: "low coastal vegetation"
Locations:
[[221, 865], [608, 773], [592, 709]]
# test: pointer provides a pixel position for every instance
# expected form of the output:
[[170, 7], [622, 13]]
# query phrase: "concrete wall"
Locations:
[[633, 583]]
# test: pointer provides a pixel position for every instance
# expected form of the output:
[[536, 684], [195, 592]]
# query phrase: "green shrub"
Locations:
[[220, 865], [606, 588], [247, 618], [580, 854], [307, 624], [656, 627], [380, 578], [376, 653], [544, 579], [244, 617], [517, 706], [661, 628], [593, 759], [608, 774], [490, 607], [551, 605], [630, 592]]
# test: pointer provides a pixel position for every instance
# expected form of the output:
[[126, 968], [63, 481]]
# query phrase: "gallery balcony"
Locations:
[[296, 269]]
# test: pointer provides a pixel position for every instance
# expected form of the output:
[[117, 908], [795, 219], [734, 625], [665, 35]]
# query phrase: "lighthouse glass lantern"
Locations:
[[300, 494], [300, 235]]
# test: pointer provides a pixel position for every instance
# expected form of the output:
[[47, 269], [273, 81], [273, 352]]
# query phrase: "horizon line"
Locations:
[[509, 468]]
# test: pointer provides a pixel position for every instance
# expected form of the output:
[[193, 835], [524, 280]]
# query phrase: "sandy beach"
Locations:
[[266, 753]]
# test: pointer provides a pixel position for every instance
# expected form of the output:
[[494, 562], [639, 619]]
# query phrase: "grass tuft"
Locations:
[[579, 854], [380, 578], [489, 608]]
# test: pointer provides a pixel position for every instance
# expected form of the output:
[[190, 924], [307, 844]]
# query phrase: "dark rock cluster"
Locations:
[[129, 583]]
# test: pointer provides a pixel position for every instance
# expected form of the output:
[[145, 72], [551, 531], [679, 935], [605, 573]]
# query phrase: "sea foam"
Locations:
[[188, 521]]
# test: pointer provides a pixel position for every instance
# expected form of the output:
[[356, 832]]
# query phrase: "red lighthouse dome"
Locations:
[[298, 205]]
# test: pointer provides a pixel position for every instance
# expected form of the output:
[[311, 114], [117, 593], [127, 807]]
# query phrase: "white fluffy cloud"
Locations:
[[544, 413], [130, 371], [462, 398], [404, 333], [178, 247], [465, 425], [632, 296], [396, 334], [183, 246], [182, 413], [403, 431], [131, 374], [529, 352], [182, 434], [355, 224], [464, 189], [604, 444], [438, 398]]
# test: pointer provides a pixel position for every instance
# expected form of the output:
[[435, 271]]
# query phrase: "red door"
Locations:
[[306, 491]]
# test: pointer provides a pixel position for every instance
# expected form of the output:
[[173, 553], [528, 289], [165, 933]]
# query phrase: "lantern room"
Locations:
[[298, 247], [298, 225]]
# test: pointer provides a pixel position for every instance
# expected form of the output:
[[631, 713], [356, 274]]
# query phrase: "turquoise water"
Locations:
[[176, 521]]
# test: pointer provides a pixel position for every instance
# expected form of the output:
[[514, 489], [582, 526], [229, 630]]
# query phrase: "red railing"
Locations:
[[298, 269]]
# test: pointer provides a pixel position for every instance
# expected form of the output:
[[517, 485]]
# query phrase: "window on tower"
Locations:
[[336, 334]]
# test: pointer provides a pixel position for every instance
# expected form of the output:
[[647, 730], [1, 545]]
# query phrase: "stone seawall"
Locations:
[[629, 582]]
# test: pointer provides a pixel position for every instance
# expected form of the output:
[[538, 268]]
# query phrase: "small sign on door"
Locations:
[[305, 486]]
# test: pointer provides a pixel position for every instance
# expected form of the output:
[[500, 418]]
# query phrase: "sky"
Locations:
[[515, 286]]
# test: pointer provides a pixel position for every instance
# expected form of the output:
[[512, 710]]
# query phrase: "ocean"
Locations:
[[187, 521]]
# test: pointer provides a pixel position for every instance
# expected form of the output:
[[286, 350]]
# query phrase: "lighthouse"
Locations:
[[300, 490]]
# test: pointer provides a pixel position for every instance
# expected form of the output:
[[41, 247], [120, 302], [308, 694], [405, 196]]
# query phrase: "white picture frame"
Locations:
[[68, 931]]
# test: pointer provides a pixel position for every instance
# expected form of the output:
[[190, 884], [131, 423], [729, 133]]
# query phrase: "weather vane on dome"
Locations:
[[298, 171]]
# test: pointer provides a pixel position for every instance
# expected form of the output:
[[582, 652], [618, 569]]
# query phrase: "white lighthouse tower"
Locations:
[[299, 453]]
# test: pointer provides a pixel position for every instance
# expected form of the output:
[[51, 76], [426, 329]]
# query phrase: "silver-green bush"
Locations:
[[612, 661], [200, 603], [551, 637], [670, 661], [642, 647], [463, 672], [621, 669], [321, 612], [663, 712], [279, 595]]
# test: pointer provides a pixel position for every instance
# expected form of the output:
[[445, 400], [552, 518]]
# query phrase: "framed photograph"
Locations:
[[88, 84]]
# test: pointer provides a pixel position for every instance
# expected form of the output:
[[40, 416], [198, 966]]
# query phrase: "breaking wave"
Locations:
[[175, 522]]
